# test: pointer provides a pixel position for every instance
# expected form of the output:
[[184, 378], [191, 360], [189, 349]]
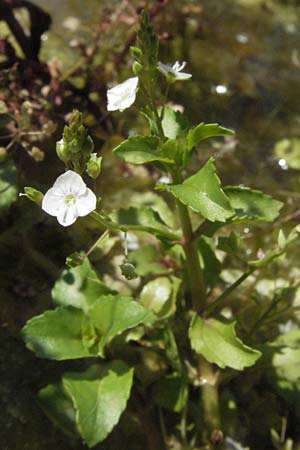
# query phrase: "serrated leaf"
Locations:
[[204, 131], [57, 334], [114, 314], [8, 184], [58, 406], [140, 150], [159, 295], [174, 123], [250, 204], [219, 344], [79, 287], [202, 192], [99, 398], [171, 392], [143, 219]]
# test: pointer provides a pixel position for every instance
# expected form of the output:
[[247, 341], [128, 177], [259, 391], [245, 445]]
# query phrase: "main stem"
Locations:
[[209, 398], [197, 286]]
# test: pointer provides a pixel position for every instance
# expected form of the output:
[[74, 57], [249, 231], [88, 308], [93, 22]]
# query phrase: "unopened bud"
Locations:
[[93, 167], [137, 68], [62, 150], [33, 194]]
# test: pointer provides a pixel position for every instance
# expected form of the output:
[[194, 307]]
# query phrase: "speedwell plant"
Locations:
[[173, 343]]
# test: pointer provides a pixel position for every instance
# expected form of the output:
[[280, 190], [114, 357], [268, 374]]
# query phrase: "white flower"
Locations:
[[69, 198], [174, 73], [122, 95]]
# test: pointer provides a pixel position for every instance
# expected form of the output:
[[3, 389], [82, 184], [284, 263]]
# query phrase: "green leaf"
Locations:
[[219, 344], [147, 261], [8, 184], [140, 150], [57, 334], [159, 295], [79, 287], [58, 406], [204, 131], [143, 219], [210, 264], [99, 398], [171, 392], [174, 123], [251, 204], [289, 150], [114, 314], [202, 192]]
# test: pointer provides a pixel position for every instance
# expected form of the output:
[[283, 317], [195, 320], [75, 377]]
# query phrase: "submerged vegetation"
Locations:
[[159, 306]]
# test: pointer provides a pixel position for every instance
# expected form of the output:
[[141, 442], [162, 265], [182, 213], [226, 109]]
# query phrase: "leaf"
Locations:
[[140, 150], [159, 296], [251, 204], [202, 192], [289, 150], [219, 344], [174, 123], [147, 260], [143, 219], [210, 264], [8, 184], [204, 131], [156, 202], [171, 392], [58, 406], [115, 314], [57, 334], [79, 287], [99, 398]]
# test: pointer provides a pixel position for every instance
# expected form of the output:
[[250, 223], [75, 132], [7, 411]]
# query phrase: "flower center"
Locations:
[[70, 198]]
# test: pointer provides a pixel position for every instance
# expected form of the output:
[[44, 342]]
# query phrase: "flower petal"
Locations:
[[53, 201], [183, 76], [86, 203], [70, 183], [68, 215], [122, 95]]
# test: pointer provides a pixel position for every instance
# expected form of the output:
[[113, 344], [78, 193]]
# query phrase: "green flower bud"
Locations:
[[62, 150], [93, 167], [128, 271], [137, 68], [136, 53], [75, 259], [33, 194]]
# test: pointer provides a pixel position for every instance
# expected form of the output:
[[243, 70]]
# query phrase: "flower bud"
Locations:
[[93, 167], [62, 150], [137, 68], [33, 194]]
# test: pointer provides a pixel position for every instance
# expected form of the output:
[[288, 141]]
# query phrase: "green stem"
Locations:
[[210, 308], [197, 286]]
